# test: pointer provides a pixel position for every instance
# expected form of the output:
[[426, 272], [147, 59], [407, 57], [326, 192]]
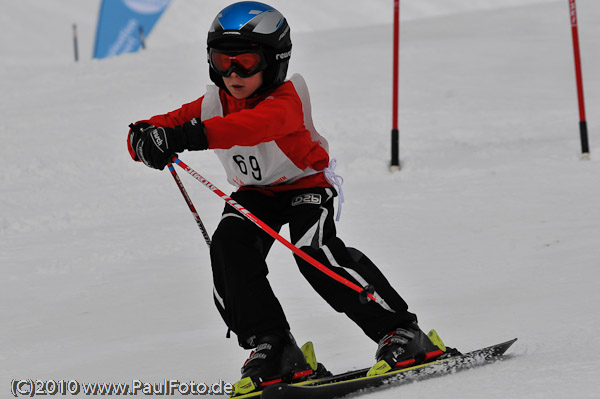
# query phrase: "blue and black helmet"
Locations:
[[251, 25]]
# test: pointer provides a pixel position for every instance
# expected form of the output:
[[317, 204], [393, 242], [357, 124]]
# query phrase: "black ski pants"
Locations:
[[239, 248]]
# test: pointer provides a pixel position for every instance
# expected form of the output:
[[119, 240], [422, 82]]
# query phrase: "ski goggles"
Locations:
[[243, 62]]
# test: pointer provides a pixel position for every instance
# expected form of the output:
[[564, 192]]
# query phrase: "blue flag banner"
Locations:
[[122, 25]]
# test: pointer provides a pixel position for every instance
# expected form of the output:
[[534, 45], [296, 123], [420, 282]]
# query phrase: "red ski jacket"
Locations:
[[262, 141]]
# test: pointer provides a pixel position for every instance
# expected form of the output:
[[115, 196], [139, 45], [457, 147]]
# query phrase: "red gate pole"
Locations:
[[395, 163], [585, 149]]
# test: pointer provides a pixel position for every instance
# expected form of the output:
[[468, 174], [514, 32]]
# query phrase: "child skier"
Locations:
[[254, 120]]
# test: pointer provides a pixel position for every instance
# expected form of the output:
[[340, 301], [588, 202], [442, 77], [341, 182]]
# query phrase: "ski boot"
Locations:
[[406, 347], [275, 359]]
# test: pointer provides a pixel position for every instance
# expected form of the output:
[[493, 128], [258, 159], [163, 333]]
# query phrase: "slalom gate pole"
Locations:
[[585, 148], [366, 293], [188, 200], [395, 162]]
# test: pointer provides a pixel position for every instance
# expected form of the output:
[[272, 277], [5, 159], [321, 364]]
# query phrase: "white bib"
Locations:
[[263, 164]]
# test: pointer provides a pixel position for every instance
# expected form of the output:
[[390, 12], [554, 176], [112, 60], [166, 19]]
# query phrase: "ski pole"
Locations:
[[365, 293], [188, 200]]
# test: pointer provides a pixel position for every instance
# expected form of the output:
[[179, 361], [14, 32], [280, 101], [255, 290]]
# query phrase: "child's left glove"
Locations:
[[156, 146]]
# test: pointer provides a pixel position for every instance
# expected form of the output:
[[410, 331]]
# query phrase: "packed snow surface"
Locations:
[[490, 231]]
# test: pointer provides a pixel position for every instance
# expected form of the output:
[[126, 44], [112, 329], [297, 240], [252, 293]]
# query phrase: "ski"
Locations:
[[357, 382]]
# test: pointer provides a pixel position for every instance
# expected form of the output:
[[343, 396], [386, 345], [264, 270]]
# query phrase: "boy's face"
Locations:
[[242, 88]]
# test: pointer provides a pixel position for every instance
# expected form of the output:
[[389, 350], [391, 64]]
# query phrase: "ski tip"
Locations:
[[500, 349]]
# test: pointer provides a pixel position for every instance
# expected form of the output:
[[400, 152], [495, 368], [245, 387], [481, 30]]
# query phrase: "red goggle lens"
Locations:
[[244, 64]]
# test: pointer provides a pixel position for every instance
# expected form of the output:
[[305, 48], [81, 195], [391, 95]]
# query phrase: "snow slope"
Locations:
[[490, 231]]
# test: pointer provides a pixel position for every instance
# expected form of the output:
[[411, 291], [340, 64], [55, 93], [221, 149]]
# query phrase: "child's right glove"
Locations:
[[156, 146]]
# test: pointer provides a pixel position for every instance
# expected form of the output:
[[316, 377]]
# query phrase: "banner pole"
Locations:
[[75, 44]]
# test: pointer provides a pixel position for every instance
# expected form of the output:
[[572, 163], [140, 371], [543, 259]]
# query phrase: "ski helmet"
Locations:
[[250, 25]]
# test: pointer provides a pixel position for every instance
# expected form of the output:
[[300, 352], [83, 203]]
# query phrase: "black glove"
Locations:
[[133, 138], [156, 146]]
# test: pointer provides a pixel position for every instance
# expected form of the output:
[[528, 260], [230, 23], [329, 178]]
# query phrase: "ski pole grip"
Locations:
[[366, 294]]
